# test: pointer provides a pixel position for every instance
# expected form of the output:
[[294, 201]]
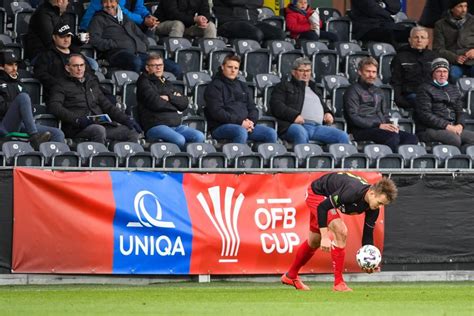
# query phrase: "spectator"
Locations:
[[454, 40], [366, 110], [230, 110], [75, 99], [372, 21], [411, 67], [301, 114], [161, 106], [134, 10], [439, 111], [238, 19], [185, 17], [16, 112], [298, 22], [49, 66], [41, 27], [436, 9]]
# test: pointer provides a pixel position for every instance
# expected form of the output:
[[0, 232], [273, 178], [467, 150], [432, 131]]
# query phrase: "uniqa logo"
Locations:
[[224, 220], [144, 217]]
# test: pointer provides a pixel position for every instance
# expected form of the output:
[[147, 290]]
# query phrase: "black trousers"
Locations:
[[259, 31], [381, 136]]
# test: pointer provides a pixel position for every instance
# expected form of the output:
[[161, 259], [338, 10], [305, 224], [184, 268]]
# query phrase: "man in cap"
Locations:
[[453, 39], [439, 111], [16, 114]]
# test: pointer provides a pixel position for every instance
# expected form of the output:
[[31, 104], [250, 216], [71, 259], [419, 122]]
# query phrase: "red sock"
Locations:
[[337, 255], [304, 253]]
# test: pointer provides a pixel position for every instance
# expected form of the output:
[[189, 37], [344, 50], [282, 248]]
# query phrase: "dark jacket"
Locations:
[[287, 101], [410, 68], [436, 9], [182, 10], [152, 109], [449, 41], [365, 106], [236, 10], [40, 29], [70, 99], [368, 14], [436, 107], [109, 36], [9, 89], [228, 101]]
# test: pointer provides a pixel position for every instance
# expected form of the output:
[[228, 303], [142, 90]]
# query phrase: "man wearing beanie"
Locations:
[[439, 109], [454, 39]]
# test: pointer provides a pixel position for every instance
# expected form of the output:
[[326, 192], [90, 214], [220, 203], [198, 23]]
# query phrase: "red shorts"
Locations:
[[313, 201]]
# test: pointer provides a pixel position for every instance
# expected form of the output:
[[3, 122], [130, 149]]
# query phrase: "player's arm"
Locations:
[[368, 233], [323, 209]]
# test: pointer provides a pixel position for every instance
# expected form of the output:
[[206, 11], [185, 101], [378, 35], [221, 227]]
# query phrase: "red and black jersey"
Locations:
[[346, 192]]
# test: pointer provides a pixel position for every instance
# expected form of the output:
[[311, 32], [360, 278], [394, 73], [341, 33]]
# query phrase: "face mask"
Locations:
[[440, 84]]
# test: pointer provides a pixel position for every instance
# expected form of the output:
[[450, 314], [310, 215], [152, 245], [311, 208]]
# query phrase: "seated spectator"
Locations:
[[189, 18], [79, 96], [439, 111], [41, 27], [411, 67], [300, 112], [238, 19], [301, 25], [366, 110], [453, 40], [437, 9], [161, 106], [230, 110], [50, 64], [372, 21], [16, 112]]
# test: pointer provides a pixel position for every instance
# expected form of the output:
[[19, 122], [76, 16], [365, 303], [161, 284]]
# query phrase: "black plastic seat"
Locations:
[[132, 155], [58, 154], [95, 154], [242, 156]]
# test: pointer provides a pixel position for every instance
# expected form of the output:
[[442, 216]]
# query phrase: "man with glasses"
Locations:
[[300, 113], [78, 98], [161, 106]]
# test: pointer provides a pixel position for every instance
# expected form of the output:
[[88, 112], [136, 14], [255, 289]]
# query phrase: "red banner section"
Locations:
[[135, 222]]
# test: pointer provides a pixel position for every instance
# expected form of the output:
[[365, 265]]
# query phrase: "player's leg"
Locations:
[[338, 253]]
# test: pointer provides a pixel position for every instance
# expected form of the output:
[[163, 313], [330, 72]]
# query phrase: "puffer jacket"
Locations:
[[9, 89], [365, 106], [438, 106], [287, 102], [410, 68], [182, 10], [109, 36], [450, 41], [236, 10], [296, 21], [71, 99], [228, 101], [152, 109]]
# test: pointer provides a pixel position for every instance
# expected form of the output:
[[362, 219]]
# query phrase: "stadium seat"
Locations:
[[415, 157], [242, 156], [264, 84], [276, 156], [284, 54], [342, 26], [324, 61], [312, 156], [197, 122], [58, 154], [129, 98], [466, 86], [205, 156], [382, 157], [335, 86], [34, 88], [255, 59], [190, 58], [196, 83], [384, 53], [347, 156], [18, 153], [121, 77], [214, 51], [168, 155], [450, 157], [351, 54], [95, 154], [132, 155]]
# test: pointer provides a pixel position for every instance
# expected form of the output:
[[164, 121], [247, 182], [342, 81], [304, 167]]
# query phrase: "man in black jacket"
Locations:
[[366, 110], [161, 106], [77, 98], [230, 110], [411, 67], [301, 114], [238, 19], [117, 38], [185, 17], [439, 112], [16, 113]]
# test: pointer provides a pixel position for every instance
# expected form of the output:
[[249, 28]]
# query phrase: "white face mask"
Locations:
[[440, 84]]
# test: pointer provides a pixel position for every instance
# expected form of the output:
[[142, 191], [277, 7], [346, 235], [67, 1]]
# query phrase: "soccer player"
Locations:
[[348, 194]]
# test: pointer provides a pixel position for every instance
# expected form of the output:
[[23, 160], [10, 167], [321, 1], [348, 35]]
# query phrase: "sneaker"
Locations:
[[297, 283], [38, 138], [341, 287]]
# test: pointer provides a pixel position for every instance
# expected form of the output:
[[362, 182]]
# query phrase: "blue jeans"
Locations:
[[238, 134], [302, 134], [457, 71], [179, 135]]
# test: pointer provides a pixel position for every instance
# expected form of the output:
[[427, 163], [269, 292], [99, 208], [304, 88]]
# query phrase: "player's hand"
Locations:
[[326, 244], [371, 270]]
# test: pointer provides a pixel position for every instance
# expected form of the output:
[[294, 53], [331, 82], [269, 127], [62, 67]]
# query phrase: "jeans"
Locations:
[[238, 134], [302, 134], [179, 135]]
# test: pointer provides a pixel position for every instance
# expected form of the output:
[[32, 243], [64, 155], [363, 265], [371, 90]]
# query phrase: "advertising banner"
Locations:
[[121, 222]]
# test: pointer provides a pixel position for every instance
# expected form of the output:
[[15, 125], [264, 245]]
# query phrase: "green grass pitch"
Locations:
[[239, 298]]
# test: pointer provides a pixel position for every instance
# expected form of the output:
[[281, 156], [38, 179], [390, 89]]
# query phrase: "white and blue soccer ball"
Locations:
[[368, 257]]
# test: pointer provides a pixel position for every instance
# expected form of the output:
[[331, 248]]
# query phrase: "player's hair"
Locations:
[[366, 61], [231, 57], [386, 186]]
